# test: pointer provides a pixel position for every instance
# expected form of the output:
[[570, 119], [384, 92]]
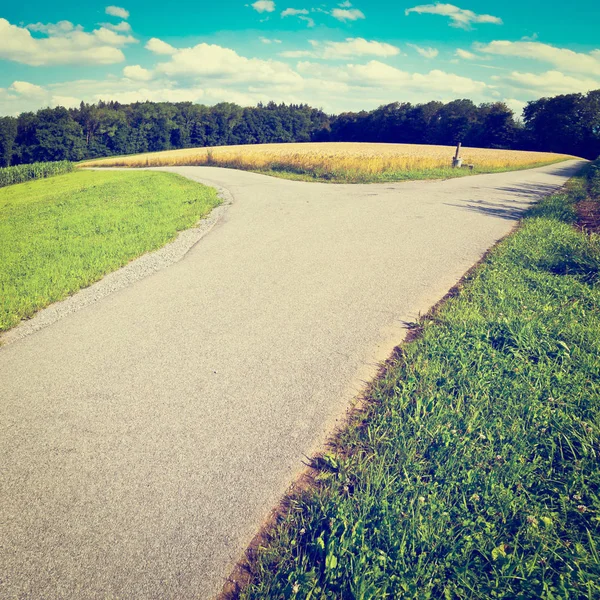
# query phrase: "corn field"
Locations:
[[39, 170], [336, 159]]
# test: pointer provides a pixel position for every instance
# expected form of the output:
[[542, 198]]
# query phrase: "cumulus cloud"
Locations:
[[122, 27], [378, 73], [262, 6], [309, 22], [59, 28], [516, 106], [216, 62], [465, 54], [300, 13], [265, 40], [298, 54], [562, 58], [350, 48], [159, 47], [290, 12], [425, 52], [209, 74], [117, 11], [64, 44], [459, 17], [26, 89], [347, 14], [550, 83], [137, 73]]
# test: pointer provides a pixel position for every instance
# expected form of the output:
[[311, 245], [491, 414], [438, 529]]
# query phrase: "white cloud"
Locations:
[[345, 14], [159, 47], [59, 28], [123, 26], [435, 81], [209, 74], [65, 44], [216, 62], [550, 83], [309, 22], [300, 13], [262, 6], [265, 40], [137, 73], [117, 11], [516, 106], [459, 17], [26, 89], [562, 58], [350, 48], [291, 12], [23, 96], [298, 54], [425, 52], [345, 4], [465, 54]]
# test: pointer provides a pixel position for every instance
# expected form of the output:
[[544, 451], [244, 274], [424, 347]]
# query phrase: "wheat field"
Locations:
[[348, 161]]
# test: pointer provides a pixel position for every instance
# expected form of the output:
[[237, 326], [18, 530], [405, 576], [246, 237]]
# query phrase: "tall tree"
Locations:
[[8, 133]]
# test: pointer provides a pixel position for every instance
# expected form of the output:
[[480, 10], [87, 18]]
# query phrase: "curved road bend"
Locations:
[[145, 437]]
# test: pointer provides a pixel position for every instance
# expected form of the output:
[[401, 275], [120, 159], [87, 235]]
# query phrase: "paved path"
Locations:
[[144, 438]]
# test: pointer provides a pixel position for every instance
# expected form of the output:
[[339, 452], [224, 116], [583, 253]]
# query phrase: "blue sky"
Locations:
[[344, 55]]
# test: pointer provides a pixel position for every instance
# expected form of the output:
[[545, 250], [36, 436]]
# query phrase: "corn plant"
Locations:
[[39, 170]]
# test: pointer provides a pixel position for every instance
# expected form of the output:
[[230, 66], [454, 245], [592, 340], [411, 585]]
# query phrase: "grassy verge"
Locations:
[[346, 176], [473, 470], [40, 170], [61, 234]]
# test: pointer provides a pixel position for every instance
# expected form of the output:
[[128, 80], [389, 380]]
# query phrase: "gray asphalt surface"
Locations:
[[144, 438]]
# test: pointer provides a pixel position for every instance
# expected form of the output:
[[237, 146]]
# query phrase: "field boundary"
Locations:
[[136, 270]]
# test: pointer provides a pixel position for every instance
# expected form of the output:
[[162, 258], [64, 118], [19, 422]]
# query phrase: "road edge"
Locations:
[[136, 270]]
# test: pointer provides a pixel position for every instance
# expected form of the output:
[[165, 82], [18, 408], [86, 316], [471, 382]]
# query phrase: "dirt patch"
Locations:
[[588, 215]]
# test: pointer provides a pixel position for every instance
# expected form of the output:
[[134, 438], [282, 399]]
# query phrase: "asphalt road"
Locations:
[[145, 437]]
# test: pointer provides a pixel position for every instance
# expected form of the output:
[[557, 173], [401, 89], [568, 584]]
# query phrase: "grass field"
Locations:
[[472, 472], [342, 162], [61, 234]]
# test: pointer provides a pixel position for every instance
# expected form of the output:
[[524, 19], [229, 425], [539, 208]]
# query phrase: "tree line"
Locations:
[[568, 124]]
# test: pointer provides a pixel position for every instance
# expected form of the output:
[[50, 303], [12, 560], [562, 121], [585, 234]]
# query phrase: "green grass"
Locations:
[[39, 170], [347, 176], [473, 470], [61, 234]]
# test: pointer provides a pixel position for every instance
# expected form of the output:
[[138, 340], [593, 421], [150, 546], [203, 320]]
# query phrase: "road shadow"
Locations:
[[566, 170], [529, 190], [510, 212], [518, 198]]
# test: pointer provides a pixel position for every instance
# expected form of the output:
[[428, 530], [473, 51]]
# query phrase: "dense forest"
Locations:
[[568, 124]]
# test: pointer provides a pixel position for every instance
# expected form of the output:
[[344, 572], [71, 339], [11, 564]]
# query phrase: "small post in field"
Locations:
[[457, 160]]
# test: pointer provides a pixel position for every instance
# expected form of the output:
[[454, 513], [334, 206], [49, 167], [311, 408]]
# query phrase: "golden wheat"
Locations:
[[335, 158]]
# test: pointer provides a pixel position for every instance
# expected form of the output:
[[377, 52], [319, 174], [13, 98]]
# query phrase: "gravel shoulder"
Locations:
[[146, 435]]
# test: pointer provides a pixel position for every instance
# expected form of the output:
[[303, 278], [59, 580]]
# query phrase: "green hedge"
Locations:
[[39, 170]]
